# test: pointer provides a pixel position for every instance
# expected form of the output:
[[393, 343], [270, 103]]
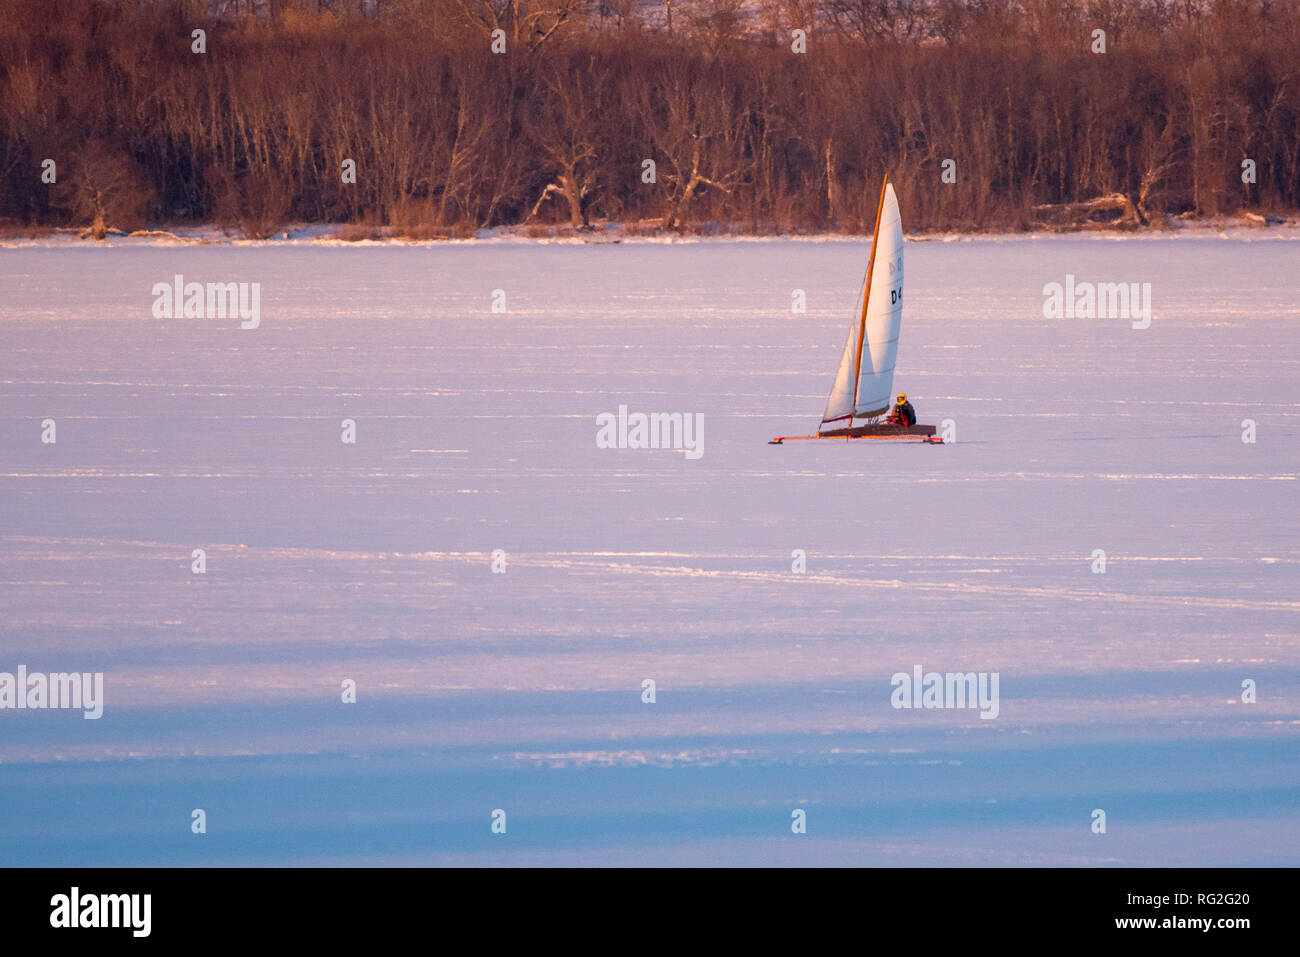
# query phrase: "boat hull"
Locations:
[[881, 430], [926, 433]]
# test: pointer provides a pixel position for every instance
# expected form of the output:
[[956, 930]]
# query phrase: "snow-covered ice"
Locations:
[[522, 691]]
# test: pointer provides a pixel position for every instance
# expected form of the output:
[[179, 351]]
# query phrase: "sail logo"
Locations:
[[35, 691], [922, 689], [657, 430], [179, 299], [131, 911], [1098, 300]]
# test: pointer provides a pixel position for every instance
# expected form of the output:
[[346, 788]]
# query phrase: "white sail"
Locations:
[[839, 407], [884, 313], [865, 380]]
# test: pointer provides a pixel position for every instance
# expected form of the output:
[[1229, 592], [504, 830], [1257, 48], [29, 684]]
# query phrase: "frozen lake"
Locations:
[[522, 690]]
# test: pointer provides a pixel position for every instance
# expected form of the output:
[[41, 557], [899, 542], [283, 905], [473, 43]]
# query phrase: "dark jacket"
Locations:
[[904, 414]]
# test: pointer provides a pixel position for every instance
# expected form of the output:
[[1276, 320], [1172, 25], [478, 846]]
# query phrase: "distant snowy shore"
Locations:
[[334, 234]]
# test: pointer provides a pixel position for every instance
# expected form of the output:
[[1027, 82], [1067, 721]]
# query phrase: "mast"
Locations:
[[866, 297]]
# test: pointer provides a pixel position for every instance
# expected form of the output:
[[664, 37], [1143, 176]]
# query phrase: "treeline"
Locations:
[[675, 113]]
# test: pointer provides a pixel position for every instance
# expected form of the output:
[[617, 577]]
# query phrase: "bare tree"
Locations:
[[529, 23], [696, 127], [102, 187], [564, 127]]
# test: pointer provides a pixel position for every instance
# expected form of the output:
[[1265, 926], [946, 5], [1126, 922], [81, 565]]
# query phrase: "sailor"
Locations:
[[903, 413]]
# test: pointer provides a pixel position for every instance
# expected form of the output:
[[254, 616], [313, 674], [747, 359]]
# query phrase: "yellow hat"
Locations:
[[902, 397]]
